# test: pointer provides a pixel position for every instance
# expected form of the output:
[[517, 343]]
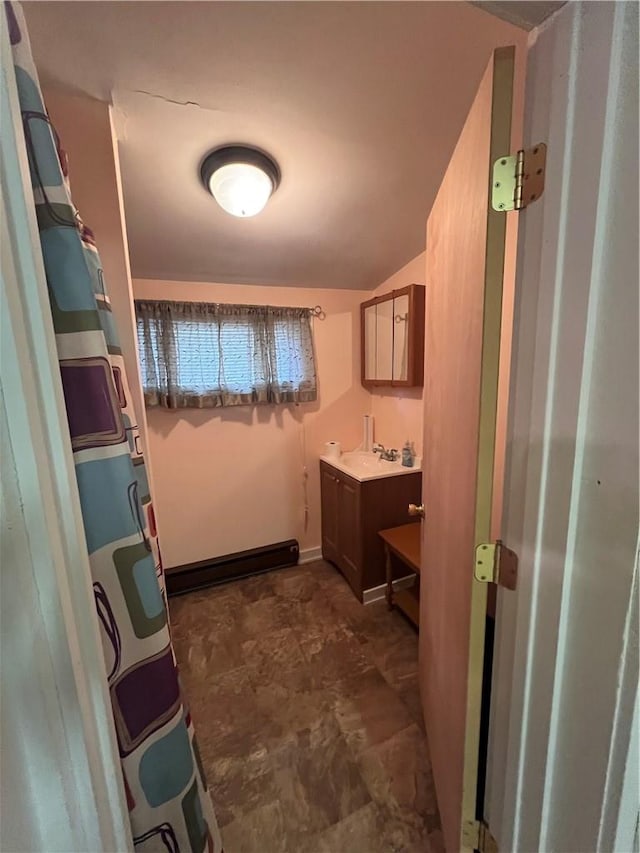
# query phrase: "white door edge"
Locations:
[[53, 555]]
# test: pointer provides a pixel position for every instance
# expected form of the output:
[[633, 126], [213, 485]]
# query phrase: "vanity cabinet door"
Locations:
[[349, 539], [329, 486]]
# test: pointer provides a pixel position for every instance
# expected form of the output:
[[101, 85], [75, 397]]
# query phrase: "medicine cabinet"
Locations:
[[392, 333]]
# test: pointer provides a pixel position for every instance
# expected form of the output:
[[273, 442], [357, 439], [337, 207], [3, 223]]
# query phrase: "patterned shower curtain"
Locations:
[[169, 806]]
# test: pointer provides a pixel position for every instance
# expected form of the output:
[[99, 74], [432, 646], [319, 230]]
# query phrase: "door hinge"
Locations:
[[495, 563], [477, 836], [518, 179]]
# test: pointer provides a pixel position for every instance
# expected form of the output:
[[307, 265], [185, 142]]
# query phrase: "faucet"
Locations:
[[387, 455]]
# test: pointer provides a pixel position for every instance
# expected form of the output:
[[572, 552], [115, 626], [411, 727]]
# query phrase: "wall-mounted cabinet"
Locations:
[[392, 331]]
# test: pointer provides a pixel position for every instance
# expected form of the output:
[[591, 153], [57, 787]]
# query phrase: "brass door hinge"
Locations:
[[518, 179], [477, 836], [495, 563]]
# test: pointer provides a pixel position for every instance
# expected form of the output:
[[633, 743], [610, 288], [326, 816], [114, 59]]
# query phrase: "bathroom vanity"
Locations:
[[360, 495]]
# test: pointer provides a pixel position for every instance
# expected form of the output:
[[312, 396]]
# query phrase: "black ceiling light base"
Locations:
[[238, 154]]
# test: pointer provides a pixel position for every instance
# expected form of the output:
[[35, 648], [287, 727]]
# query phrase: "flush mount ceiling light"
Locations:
[[240, 178]]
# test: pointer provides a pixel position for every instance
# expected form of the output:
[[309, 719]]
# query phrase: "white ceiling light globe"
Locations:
[[241, 188]]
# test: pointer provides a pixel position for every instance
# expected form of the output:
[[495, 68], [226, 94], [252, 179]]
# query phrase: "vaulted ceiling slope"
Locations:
[[524, 13], [360, 103]]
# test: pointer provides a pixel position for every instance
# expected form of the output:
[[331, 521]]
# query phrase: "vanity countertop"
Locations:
[[364, 466]]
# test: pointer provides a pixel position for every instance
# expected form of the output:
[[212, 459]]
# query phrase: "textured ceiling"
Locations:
[[360, 103]]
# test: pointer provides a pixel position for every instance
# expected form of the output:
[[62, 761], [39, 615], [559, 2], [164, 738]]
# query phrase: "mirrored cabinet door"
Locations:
[[369, 351], [384, 341], [392, 345]]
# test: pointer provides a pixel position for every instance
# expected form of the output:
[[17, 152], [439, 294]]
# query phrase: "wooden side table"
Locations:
[[404, 542]]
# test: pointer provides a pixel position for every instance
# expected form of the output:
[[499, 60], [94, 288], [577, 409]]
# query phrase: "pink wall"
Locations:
[[86, 133], [219, 486], [230, 479], [398, 412]]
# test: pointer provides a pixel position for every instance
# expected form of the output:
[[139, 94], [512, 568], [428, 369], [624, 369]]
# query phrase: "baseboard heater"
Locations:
[[181, 579]]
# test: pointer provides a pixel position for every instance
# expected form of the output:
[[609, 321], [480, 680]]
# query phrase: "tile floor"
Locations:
[[308, 717]]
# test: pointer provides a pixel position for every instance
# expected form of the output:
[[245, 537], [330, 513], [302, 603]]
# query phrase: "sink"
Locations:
[[368, 466], [360, 461]]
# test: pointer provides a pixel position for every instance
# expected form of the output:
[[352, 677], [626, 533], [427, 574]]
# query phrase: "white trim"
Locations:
[[377, 593], [46, 554], [560, 750], [620, 813], [628, 811], [309, 555]]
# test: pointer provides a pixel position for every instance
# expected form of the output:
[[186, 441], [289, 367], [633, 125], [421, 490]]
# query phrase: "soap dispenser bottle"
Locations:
[[407, 455]]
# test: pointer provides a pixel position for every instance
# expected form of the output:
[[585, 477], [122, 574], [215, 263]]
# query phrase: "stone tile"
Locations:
[[351, 613], [404, 831], [323, 573], [391, 624], [372, 829], [335, 587], [399, 778], [369, 711], [208, 653], [277, 657], [257, 587], [287, 693], [360, 832], [374, 622], [297, 584], [436, 841], [409, 692], [227, 718], [257, 618], [313, 617], [258, 831], [319, 782], [242, 784], [397, 661], [212, 609], [289, 710], [335, 657], [308, 716]]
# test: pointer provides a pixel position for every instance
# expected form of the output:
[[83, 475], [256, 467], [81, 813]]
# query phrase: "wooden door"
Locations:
[[465, 260], [329, 508]]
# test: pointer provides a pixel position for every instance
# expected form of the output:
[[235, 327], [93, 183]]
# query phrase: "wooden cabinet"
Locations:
[[354, 512], [329, 509], [349, 544], [392, 338]]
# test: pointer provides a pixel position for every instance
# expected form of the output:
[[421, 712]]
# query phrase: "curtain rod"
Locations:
[[316, 311]]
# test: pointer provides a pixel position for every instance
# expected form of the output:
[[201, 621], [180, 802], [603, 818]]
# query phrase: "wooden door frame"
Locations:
[[502, 110]]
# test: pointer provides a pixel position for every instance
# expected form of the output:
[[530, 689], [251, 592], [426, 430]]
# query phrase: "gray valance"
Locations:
[[203, 355]]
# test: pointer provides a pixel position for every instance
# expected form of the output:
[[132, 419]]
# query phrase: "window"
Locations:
[[195, 354]]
